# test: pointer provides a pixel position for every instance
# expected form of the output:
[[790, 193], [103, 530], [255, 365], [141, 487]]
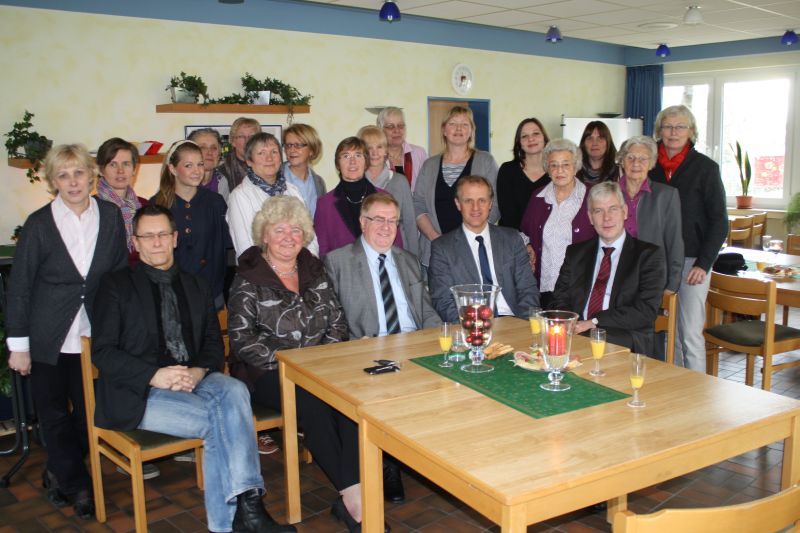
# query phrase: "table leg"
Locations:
[[290, 459], [616, 505], [513, 519], [371, 459], [790, 473]]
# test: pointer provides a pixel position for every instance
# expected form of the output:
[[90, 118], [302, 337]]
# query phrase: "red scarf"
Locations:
[[671, 165]]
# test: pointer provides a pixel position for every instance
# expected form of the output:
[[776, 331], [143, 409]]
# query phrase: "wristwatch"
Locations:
[[594, 320]]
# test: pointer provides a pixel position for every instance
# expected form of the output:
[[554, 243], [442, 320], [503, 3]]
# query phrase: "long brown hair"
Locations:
[[165, 196]]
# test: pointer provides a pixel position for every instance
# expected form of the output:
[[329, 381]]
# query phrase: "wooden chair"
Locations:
[[767, 515], [752, 297], [741, 230], [792, 244], [759, 228], [126, 449], [667, 320], [264, 418]]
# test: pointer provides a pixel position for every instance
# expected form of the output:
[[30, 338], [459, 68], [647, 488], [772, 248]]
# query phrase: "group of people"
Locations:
[[586, 228]]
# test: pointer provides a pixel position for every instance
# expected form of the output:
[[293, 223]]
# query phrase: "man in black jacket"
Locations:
[[157, 344]]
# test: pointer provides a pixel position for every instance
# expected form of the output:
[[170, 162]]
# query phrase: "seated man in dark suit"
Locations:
[[479, 252], [157, 344], [614, 282], [398, 301]]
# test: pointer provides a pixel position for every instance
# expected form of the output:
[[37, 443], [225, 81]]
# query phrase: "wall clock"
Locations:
[[462, 79]]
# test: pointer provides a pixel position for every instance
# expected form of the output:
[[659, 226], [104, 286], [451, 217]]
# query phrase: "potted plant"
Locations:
[[745, 201], [792, 217], [186, 88], [280, 92], [24, 142]]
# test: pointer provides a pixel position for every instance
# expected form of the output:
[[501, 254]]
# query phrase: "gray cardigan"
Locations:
[[483, 164], [658, 221], [46, 291]]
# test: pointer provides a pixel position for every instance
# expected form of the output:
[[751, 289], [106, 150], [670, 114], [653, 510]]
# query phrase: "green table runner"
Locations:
[[7, 250], [519, 388]]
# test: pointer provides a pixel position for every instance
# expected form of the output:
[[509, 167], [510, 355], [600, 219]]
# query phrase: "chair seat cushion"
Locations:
[[263, 413], [750, 332], [150, 439]]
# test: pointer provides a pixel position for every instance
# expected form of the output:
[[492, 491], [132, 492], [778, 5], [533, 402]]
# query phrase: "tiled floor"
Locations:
[[175, 504]]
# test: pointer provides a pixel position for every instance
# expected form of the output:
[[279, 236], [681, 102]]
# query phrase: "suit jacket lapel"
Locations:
[[403, 271], [464, 250], [61, 245], [144, 291], [362, 274], [196, 307], [587, 281], [624, 266]]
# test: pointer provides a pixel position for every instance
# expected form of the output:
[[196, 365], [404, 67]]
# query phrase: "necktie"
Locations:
[[599, 289], [408, 166], [389, 307], [483, 258]]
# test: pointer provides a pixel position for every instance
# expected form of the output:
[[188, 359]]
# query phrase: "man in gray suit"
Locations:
[[479, 252], [398, 301]]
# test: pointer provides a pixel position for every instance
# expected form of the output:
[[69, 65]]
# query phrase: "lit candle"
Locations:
[[557, 340]]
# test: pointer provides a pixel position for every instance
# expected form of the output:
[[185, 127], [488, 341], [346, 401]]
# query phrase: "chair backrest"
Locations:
[[222, 316], [766, 515], [89, 373], [667, 321], [746, 296], [792, 244], [759, 227], [741, 229]]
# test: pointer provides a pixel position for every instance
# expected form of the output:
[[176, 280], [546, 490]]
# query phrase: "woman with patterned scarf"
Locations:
[[263, 181], [118, 160]]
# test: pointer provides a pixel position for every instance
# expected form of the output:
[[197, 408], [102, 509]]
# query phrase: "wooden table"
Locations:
[[788, 289], [334, 373], [756, 256], [517, 470]]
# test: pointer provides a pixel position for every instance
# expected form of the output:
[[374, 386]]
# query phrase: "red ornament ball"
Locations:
[[485, 312]]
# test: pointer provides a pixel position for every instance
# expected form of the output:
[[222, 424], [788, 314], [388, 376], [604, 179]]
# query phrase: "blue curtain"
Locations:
[[643, 94]]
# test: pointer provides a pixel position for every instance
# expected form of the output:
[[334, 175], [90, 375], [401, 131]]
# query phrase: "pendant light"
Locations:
[[663, 50], [553, 34], [389, 12]]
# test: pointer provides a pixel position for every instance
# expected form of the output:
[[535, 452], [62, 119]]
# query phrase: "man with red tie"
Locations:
[[614, 282]]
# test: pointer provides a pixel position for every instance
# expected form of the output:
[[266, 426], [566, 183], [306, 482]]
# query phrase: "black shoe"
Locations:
[[340, 512], [53, 493], [392, 483], [251, 517], [84, 505]]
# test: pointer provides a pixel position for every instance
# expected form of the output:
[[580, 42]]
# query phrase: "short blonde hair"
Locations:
[[243, 121], [674, 111], [460, 110], [279, 209], [309, 136], [61, 156], [372, 133]]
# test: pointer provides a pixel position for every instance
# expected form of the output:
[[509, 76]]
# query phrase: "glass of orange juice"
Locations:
[[445, 342], [637, 367], [536, 328], [597, 341]]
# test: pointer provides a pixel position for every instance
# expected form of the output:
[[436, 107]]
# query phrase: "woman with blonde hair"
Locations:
[[63, 251], [303, 148], [203, 235], [434, 195], [395, 183]]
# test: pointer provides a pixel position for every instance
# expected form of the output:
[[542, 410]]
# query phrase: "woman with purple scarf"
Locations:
[[117, 160]]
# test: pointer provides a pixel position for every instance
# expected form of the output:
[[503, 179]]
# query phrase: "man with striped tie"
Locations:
[[398, 300], [614, 282]]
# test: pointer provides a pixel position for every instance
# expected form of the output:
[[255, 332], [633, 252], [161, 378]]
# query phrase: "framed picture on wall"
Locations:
[[225, 131]]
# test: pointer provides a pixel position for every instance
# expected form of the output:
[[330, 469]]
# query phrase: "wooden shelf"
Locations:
[[24, 164], [230, 108]]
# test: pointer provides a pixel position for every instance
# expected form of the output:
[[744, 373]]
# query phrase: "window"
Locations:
[[752, 107]]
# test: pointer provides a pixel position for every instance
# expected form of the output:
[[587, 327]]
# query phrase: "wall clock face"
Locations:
[[462, 79]]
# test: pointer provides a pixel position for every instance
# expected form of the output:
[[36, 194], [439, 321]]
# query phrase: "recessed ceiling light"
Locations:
[[658, 26]]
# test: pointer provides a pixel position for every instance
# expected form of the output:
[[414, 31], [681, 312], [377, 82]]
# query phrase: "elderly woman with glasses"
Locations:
[[404, 158], [654, 209], [704, 218], [434, 195], [336, 221], [556, 215], [210, 143]]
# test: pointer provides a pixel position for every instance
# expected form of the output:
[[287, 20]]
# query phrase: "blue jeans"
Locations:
[[217, 411]]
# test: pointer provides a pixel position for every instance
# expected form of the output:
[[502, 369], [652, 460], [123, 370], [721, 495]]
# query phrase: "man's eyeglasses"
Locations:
[[149, 237], [381, 221]]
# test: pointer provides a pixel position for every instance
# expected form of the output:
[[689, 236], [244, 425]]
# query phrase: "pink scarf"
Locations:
[[128, 205]]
